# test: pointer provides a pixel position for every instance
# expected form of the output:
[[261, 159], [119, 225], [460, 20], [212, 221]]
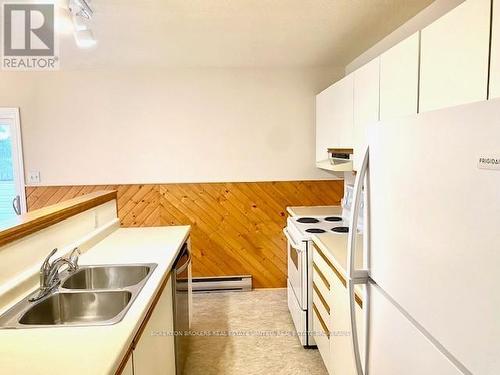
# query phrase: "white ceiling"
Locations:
[[235, 33]]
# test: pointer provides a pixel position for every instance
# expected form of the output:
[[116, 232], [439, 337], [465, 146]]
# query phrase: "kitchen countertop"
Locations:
[[97, 349], [20, 226], [314, 210], [334, 246]]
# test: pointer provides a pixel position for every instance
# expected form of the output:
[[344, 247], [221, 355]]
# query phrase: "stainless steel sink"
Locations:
[[106, 277], [70, 308], [93, 295]]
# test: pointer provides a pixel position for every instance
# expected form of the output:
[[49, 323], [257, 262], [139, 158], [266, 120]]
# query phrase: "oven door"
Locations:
[[297, 268]]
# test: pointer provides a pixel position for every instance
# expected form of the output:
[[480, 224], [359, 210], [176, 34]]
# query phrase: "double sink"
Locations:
[[92, 295]]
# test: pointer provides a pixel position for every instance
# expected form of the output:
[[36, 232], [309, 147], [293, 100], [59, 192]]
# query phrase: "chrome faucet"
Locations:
[[49, 272]]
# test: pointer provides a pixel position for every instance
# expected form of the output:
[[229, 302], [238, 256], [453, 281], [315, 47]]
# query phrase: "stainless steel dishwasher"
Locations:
[[181, 296]]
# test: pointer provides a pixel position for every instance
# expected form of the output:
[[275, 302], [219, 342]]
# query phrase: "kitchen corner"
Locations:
[[99, 349]]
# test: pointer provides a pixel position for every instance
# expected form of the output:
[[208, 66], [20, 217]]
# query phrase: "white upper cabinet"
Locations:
[[324, 123], [366, 105], [399, 79], [495, 54], [334, 117], [454, 57]]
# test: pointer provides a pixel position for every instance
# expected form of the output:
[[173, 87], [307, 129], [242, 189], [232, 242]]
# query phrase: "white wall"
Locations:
[[168, 125]]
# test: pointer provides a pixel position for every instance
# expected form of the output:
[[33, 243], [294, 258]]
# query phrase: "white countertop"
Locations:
[[99, 349], [334, 246], [314, 210]]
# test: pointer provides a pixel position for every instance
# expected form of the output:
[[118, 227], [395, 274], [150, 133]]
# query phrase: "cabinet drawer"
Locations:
[[325, 266], [330, 276]]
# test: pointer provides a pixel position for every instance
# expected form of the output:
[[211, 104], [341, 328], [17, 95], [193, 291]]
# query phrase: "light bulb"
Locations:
[[85, 38], [79, 23]]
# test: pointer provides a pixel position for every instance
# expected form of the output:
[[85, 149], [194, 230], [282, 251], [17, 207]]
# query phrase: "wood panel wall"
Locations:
[[236, 227]]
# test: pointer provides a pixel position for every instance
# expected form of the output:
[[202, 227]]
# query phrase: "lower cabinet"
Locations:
[[331, 320], [154, 353], [154, 350]]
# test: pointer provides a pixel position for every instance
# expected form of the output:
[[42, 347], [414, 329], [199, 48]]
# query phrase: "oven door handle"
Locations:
[[292, 243]]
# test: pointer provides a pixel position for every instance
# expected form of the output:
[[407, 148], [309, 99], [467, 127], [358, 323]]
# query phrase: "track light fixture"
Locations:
[[80, 14], [81, 8]]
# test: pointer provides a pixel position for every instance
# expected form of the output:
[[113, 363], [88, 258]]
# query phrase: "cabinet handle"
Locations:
[[321, 321], [16, 204], [342, 279], [291, 241], [320, 274], [321, 298]]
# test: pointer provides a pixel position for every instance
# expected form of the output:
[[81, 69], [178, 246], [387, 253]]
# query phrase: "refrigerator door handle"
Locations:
[[354, 328], [358, 276], [361, 177]]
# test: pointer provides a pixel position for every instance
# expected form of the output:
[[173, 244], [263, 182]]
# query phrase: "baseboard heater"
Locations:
[[241, 283]]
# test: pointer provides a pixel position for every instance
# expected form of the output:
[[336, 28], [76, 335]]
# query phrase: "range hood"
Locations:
[[339, 160]]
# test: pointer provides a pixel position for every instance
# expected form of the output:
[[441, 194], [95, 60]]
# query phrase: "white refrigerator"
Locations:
[[432, 244]]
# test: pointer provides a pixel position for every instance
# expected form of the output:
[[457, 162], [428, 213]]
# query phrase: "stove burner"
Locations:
[[333, 218], [308, 220], [341, 229], [315, 230]]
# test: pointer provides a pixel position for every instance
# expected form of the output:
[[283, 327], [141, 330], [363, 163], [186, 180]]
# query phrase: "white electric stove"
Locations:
[[299, 231]]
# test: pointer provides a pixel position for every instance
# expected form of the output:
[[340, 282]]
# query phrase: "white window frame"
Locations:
[[17, 148]]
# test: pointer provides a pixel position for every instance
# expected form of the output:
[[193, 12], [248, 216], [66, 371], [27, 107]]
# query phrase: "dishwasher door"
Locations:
[[181, 273]]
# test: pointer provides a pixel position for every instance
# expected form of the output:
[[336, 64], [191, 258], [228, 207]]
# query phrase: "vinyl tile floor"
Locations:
[[260, 340]]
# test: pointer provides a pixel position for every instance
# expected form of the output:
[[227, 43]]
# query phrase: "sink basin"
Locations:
[[107, 277], [76, 308], [91, 296]]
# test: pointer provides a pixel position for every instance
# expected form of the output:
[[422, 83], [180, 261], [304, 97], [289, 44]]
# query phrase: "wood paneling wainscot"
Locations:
[[236, 227]]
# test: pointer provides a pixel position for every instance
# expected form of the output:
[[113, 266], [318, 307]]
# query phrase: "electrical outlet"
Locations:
[[34, 177]]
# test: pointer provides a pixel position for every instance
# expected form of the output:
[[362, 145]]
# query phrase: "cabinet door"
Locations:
[[454, 57], [334, 117], [324, 123], [155, 353], [366, 105], [399, 79], [332, 314], [495, 54], [342, 357]]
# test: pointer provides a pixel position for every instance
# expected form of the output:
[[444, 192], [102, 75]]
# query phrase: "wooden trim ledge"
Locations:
[[31, 222]]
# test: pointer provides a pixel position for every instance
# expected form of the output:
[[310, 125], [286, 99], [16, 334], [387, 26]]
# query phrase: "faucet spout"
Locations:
[[49, 272], [52, 277]]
